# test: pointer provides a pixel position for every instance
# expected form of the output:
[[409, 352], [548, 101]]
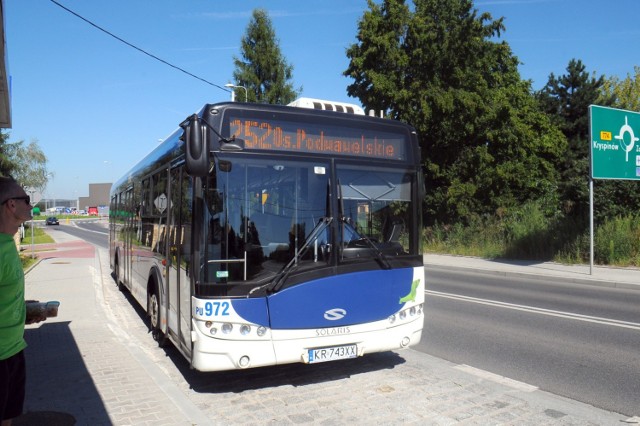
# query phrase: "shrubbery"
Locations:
[[528, 233], [617, 241]]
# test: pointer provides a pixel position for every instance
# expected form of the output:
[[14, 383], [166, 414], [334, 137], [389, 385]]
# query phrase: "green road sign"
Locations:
[[615, 145]]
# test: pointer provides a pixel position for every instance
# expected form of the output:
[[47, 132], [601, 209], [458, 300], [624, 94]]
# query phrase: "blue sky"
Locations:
[[96, 106]]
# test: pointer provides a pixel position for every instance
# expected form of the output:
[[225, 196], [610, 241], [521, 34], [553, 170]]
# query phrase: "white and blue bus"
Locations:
[[259, 235]]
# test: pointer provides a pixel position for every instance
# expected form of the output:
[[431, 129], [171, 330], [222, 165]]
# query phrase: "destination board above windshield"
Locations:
[[318, 138]]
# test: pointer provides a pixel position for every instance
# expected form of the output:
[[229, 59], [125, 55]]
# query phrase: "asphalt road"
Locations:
[[90, 230], [582, 342]]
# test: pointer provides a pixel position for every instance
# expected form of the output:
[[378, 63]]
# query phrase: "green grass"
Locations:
[[39, 236], [27, 261], [62, 217], [526, 233]]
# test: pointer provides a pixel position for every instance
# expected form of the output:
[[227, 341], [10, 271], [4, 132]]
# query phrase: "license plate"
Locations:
[[333, 353]]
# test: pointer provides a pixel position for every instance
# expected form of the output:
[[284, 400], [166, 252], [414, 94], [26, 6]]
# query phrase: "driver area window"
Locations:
[[258, 216]]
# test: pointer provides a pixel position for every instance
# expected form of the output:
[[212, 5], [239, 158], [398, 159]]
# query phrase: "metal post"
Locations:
[[233, 93], [33, 249], [591, 226]]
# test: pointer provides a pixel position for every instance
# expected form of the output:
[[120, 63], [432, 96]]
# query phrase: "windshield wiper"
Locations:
[[279, 280], [382, 259]]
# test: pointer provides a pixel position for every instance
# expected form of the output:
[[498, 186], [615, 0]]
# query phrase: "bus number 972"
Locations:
[[213, 309]]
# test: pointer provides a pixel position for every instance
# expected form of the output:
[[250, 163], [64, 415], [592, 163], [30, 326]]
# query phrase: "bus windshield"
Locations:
[[262, 211]]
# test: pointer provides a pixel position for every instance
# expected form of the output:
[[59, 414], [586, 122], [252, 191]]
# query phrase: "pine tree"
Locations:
[[263, 71], [566, 100]]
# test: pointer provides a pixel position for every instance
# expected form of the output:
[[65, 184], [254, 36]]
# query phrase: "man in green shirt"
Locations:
[[15, 208]]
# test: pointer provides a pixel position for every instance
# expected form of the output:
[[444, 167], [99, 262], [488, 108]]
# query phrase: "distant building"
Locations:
[[98, 197], [49, 203]]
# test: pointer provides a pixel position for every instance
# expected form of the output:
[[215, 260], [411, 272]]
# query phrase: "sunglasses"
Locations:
[[26, 199]]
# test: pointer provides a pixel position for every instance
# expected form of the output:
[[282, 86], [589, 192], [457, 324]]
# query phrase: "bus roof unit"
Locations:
[[327, 105]]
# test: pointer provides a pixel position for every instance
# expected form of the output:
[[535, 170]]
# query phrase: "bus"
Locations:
[[259, 235]]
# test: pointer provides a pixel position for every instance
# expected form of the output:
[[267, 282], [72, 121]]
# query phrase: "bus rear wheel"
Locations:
[[154, 317]]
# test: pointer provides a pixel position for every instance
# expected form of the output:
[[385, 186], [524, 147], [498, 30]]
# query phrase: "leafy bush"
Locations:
[[617, 241], [529, 232]]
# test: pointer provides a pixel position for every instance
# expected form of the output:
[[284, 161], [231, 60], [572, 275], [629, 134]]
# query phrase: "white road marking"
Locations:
[[106, 230], [541, 311]]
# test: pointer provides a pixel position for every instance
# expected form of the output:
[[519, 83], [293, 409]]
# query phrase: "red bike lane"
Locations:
[[75, 249]]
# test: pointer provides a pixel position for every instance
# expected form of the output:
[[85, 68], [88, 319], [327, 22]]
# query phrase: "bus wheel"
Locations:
[[154, 317], [116, 275]]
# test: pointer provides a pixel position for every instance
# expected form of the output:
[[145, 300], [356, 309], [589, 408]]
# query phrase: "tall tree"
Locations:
[[28, 164], [437, 65], [263, 71], [6, 165], [566, 99], [623, 94]]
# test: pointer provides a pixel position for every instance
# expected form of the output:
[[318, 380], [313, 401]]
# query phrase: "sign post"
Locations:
[[32, 197], [615, 150]]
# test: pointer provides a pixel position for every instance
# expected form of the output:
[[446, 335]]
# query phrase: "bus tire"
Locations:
[[155, 316], [116, 274]]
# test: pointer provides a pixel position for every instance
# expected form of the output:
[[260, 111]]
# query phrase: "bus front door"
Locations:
[[178, 259]]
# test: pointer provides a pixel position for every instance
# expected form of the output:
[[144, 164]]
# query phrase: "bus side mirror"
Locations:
[[196, 147]]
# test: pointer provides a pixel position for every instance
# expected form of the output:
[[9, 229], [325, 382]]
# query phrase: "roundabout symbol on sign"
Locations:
[[632, 139]]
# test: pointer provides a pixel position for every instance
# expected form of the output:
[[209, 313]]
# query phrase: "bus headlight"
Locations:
[[233, 330], [407, 314]]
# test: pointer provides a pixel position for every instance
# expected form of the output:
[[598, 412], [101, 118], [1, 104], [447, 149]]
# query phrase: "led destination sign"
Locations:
[[316, 138]]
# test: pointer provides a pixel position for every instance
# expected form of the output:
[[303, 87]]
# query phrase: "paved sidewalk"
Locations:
[[80, 371], [96, 364], [628, 278]]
